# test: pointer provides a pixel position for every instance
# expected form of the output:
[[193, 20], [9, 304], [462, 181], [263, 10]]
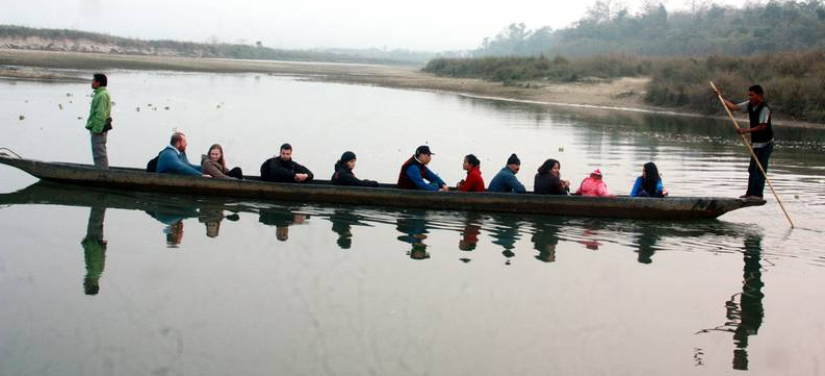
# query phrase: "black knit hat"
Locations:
[[513, 160], [347, 156], [423, 149]]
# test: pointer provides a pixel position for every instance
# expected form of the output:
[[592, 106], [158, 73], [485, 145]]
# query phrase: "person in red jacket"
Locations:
[[474, 182]]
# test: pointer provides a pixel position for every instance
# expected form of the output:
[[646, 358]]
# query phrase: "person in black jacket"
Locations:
[[548, 179], [343, 172], [282, 169]]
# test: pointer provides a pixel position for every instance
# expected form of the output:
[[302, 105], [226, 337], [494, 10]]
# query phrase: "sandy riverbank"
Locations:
[[624, 94]]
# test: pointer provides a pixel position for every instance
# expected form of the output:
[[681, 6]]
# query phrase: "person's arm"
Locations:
[[212, 170], [516, 185], [431, 176], [660, 187], [415, 175], [636, 187], [303, 170], [171, 163]]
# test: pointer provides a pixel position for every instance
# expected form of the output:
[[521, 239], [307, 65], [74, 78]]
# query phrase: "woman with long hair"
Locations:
[[548, 179], [214, 164], [649, 184]]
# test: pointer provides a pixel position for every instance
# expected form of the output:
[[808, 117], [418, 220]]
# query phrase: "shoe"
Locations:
[[744, 196]]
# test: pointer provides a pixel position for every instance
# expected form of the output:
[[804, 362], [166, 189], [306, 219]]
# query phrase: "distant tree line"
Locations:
[[63, 39], [703, 29]]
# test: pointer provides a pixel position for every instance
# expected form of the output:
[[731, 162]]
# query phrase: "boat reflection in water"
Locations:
[[510, 234]]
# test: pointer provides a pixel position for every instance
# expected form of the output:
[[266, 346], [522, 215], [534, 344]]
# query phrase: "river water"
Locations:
[[98, 282]]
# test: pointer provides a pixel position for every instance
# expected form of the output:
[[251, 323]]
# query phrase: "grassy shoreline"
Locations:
[[619, 94]]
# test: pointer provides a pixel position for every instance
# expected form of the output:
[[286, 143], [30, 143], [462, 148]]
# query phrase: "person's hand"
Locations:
[[743, 130], [444, 188], [206, 175], [565, 184], [717, 93], [664, 192], [460, 184], [300, 177]]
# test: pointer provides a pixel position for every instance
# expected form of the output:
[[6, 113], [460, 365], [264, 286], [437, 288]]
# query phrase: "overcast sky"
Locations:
[[428, 25]]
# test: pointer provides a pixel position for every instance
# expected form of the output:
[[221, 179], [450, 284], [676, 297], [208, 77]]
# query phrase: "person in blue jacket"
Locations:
[[505, 181], [415, 170], [649, 184], [172, 159]]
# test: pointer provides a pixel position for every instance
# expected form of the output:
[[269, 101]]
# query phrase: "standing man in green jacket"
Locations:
[[99, 116]]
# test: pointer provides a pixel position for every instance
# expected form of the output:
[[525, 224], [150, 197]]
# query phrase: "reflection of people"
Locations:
[[751, 310], [545, 239], [99, 118], [415, 232], [761, 132], [212, 219], [745, 318], [647, 245], [342, 222], [173, 218], [174, 234], [281, 219], [505, 234], [94, 249]]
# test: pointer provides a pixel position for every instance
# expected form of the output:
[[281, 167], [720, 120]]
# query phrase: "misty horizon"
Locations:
[[428, 27]]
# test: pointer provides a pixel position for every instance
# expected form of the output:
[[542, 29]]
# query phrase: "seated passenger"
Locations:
[[214, 165], [282, 169], [649, 184], [343, 172], [172, 159], [594, 186], [414, 171], [505, 181], [548, 179], [474, 181]]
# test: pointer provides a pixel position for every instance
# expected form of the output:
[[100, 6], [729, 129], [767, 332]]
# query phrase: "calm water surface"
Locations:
[[99, 282]]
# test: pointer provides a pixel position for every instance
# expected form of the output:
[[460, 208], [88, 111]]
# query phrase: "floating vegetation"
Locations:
[[561, 149], [68, 94], [137, 109], [60, 105], [22, 118], [166, 108], [80, 118]]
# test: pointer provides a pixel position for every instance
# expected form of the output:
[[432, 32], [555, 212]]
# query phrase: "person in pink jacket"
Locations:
[[594, 186]]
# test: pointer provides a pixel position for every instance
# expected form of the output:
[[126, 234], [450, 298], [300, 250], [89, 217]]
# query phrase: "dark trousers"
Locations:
[[756, 181], [236, 173]]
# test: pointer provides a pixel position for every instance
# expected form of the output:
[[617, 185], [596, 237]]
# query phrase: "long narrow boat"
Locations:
[[671, 208]]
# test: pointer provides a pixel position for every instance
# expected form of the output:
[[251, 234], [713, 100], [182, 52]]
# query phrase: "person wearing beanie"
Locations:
[[414, 172], [505, 181], [343, 172]]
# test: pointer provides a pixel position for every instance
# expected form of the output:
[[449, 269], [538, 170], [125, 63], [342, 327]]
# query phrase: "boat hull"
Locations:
[[672, 208]]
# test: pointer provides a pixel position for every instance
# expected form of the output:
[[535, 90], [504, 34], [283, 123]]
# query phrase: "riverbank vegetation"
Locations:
[[777, 44]]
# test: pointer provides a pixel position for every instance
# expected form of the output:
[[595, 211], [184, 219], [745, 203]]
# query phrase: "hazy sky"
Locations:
[[432, 25]]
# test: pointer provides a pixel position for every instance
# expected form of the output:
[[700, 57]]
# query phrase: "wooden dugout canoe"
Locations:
[[671, 208]]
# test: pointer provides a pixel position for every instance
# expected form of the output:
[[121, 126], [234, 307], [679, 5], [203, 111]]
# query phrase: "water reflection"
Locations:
[[745, 316], [281, 218], [94, 250], [548, 235]]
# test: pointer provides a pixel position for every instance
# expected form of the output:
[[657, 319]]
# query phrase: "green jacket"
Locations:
[[100, 111]]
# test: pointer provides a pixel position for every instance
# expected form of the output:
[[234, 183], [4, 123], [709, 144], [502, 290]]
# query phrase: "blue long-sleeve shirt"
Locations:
[[637, 188], [415, 175], [171, 161], [505, 181]]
